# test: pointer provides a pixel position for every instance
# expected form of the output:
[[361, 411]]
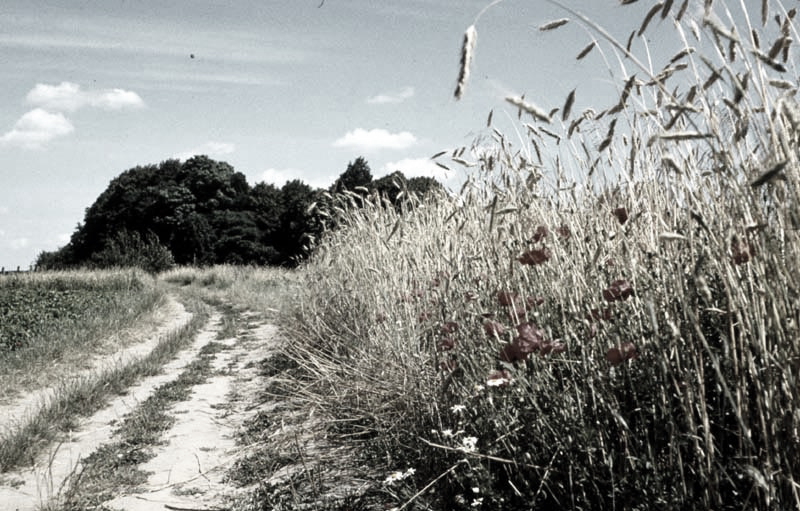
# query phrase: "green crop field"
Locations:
[[64, 317]]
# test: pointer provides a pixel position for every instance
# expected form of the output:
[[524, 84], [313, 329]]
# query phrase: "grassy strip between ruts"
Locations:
[[113, 467], [83, 397]]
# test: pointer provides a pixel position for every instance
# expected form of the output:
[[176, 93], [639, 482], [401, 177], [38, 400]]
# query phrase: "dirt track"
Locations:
[[188, 468]]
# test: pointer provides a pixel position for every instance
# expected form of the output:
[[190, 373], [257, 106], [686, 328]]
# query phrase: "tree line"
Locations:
[[203, 212]]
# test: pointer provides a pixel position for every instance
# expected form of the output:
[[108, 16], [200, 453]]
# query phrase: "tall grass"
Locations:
[[538, 340]]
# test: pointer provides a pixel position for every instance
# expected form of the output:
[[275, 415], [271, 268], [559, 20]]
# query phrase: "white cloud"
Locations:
[[19, 243], [63, 238], [392, 97], [63, 97], [279, 177], [211, 149], [37, 127], [116, 99], [417, 167], [47, 121], [375, 139], [69, 97]]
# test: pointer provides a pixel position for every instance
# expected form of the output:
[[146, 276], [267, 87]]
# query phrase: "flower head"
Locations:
[[619, 354], [469, 444], [458, 408], [618, 291], [399, 476], [535, 256]]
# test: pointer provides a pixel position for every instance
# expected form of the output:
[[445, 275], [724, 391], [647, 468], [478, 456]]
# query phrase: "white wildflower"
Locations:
[[458, 408], [477, 502], [469, 444], [497, 382], [399, 476]]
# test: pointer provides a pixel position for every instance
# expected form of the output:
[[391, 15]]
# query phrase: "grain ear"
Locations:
[[467, 51], [554, 24], [586, 50], [568, 105]]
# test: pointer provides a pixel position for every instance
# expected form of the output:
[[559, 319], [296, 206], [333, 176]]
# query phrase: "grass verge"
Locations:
[[50, 320]]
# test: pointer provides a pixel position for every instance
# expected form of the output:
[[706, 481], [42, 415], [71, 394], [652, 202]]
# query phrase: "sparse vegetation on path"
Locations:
[[77, 463]]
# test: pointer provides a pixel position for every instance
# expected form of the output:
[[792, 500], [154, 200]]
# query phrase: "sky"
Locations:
[[280, 89]]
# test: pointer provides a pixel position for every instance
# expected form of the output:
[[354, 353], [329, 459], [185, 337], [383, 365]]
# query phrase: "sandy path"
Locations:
[[29, 488], [188, 472], [169, 318]]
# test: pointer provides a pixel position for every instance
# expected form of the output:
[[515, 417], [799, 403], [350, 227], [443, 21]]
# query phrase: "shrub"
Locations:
[[131, 249]]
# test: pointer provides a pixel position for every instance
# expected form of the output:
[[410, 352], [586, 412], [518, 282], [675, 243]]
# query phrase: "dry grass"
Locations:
[[604, 317], [257, 289]]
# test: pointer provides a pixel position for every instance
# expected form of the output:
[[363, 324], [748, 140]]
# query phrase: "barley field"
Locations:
[[605, 316]]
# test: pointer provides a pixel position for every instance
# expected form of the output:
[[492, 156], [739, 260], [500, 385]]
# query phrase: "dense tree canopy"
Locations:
[[203, 212], [357, 174]]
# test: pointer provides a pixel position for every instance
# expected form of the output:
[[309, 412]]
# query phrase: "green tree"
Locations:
[[200, 210], [268, 209], [390, 186], [298, 228], [357, 174], [423, 185]]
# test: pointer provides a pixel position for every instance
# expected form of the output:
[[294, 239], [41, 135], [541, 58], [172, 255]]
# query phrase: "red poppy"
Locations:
[[539, 234], [604, 314], [493, 328], [535, 256], [533, 301], [618, 291], [506, 297], [619, 354], [447, 343], [449, 327], [740, 250]]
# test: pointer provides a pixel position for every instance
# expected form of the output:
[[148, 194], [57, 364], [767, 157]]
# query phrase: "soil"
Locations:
[[188, 469]]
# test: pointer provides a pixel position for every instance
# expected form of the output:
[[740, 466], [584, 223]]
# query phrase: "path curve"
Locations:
[[28, 488], [171, 317]]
